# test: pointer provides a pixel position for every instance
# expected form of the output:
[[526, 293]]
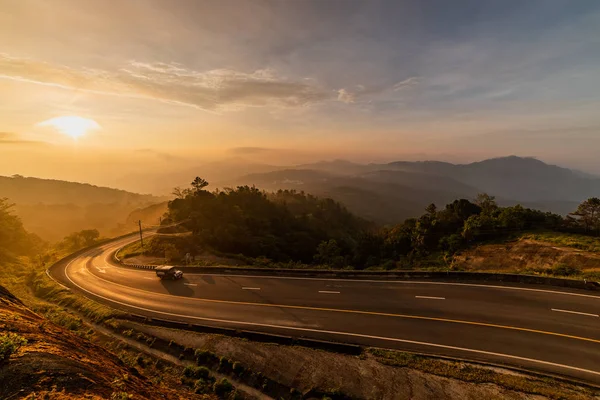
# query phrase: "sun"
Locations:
[[72, 126]]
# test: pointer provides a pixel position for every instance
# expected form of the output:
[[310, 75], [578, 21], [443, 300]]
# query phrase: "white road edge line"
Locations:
[[55, 281], [250, 288], [430, 297], [190, 284], [442, 346], [328, 292], [575, 312]]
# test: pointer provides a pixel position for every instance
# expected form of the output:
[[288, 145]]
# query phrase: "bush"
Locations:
[[225, 364], [196, 372], [565, 270], [222, 387], [237, 368], [9, 343], [204, 357], [203, 386]]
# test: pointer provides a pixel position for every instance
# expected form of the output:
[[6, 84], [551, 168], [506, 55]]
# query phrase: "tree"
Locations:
[[198, 185], [14, 239], [487, 203], [181, 193], [588, 214], [431, 209], [81, 239], [329, 253]]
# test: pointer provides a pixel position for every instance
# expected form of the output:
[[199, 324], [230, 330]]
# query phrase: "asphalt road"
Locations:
[[534, 327]]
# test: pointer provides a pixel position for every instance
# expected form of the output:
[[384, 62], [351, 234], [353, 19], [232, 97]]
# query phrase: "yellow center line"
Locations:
[[359, 312]]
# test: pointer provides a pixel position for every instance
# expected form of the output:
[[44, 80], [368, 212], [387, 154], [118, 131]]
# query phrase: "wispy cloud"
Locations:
[[8, 138], [213, 90], [162, 155], [250, 150], [345, 96], [412, 81]]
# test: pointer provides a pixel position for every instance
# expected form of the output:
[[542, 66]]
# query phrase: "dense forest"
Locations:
[[282, 227], [293, 226]]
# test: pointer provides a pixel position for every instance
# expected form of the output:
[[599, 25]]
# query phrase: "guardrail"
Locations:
[[458, 276]]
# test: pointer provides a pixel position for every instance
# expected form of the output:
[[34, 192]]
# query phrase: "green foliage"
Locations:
[[588, 215], [205, 357], [281, 227], [79, 240], [237, 368], [292, 227], [222, 387], [225, 365], [196, 372], [204, 386], [9, 343], [565, 270], [330, 254]]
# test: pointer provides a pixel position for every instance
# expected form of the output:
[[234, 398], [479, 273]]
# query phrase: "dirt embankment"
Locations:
[[43, 360], [371, 376], [526, 255]]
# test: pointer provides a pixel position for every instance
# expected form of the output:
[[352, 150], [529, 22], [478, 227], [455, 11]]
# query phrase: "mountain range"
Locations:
[[386, 193]]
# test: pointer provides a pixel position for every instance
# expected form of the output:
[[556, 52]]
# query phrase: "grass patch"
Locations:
[[9, 344], [572, 240], [470, 373], [135, 249]]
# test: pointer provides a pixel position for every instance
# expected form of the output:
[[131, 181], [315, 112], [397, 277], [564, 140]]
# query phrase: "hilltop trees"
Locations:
[[293, 226], [588, 215], [285, 226]]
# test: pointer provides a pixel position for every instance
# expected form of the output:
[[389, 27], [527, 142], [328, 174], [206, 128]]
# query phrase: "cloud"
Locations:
[[345, 96], [213, 90], [412, 81], [250, 150], [159, 154], [8, 138]]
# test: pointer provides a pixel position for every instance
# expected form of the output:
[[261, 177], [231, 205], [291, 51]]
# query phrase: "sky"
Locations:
[[156, 85]]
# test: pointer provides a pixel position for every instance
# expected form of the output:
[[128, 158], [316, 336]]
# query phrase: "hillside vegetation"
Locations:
[[285, 226], [289, 226]]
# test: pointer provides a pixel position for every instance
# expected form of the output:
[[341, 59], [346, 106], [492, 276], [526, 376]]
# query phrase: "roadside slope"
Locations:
[[48, 361]]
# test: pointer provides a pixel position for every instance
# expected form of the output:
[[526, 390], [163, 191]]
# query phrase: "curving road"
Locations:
[[534, 327]]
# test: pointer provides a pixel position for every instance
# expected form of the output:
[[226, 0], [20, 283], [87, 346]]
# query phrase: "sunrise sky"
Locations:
[[92, 90]]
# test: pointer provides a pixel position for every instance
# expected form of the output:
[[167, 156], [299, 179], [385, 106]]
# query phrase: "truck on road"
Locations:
[[168, 272]]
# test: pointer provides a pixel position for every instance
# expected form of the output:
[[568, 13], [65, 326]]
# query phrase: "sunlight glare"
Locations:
[[72, 126]]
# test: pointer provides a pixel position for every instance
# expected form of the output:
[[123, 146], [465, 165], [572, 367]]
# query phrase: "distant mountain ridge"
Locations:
[[517, 178], [388, 193], [28, 190], [53, 209]]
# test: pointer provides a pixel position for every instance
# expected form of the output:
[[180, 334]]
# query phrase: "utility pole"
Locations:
[[141, 237]]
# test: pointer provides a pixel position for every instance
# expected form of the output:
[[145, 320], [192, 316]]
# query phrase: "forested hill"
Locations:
[[25, 190], [53, 209], [289, 226]]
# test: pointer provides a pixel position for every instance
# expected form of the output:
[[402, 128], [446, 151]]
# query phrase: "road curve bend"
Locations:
[[532, 327]]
